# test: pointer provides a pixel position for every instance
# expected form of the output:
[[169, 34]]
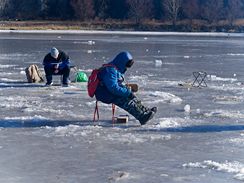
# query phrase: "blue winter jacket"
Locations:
[[111, 87]]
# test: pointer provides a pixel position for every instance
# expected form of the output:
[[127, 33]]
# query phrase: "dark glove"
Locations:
[[132, 96]]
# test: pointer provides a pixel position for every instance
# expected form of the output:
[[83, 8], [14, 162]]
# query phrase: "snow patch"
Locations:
[[129, 138], [27, 118], [225, 114], [22, 72], [118, 135], [235, 167], [138, 78], [228, 99], [8, 80], [158, 63], [171, 63], [13, 56], [164, 97], [171, 83], [216, 78], [75, 130], [6, 66], [235, 54], [12, 102], [171, 122], [101, 105], [239, 141], [6, 74], [187, 108], [227, 87]]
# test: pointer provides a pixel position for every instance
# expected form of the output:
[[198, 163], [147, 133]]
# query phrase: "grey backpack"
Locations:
[[33, 74]]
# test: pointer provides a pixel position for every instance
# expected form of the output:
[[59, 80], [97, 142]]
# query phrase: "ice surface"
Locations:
[[47, 134]]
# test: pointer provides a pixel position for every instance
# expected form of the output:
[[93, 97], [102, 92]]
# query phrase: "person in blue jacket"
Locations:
[[56, 63], [112, 90]]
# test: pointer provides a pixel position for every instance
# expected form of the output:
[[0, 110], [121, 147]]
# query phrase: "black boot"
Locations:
[[136, 109], [148, 116], [154, 109], [66, 72], [49, 80]]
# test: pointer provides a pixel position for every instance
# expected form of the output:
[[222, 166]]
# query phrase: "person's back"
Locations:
[[112, 90], [112, 77]]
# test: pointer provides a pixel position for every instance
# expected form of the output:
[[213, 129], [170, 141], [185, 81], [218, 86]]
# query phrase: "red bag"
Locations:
[[93, 80]]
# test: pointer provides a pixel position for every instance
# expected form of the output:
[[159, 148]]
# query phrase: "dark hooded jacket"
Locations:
[[111, 79], [63, 60]]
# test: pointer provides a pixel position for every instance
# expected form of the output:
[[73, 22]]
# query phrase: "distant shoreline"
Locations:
[[195, 26], [143, 33]]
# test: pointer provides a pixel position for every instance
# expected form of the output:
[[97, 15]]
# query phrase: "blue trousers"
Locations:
[[49, 71]]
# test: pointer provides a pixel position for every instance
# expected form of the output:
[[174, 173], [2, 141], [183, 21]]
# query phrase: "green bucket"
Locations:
[[81, 77]]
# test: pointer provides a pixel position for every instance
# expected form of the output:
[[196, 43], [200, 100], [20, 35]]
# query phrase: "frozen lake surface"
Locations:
[[47, 134]]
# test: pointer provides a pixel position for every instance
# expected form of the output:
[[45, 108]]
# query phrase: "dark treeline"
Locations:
[[138, 11]]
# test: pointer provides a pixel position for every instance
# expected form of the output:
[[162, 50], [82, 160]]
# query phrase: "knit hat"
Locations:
[[54, 52]]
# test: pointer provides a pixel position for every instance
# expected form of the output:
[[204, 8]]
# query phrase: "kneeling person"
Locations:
[[56, 63], [112, 90]]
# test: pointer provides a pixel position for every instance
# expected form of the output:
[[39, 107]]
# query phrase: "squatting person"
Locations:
[[56, 62]]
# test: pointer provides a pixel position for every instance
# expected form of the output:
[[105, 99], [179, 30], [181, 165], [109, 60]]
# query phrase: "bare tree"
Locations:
[[3, 4], [101, 8], [234, 10], [212, 10], [43, 5], [84, 9], [139, 9], [172, 8]]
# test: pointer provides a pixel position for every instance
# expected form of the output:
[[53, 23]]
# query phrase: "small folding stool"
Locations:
[[96, 113], [199, 80]]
